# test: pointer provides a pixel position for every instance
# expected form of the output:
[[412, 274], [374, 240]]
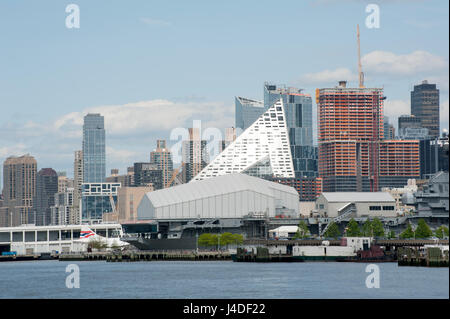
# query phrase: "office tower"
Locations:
[[425, 106], [63, 212], [126, 180], [94, 149], [391, 132], [351, 145], [262, 150], [148, 174], [410, 121], [433, 156], [128, 201], [194, 155], [64, 182], [162, 157], [230, 137], [410, 128], [19, 188], [388, 129], [298, 113], [98, 199], [77, 179], [247, 111], [46, 188]]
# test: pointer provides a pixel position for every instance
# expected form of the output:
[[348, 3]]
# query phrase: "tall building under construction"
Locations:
[[353, 154]]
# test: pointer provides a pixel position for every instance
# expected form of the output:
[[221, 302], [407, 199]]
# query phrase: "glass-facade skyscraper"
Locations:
[[298, 111], [425, 106], [247, 111], [94, 170]]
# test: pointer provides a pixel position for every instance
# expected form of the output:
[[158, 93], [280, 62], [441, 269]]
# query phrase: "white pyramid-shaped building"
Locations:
[[262, 149]]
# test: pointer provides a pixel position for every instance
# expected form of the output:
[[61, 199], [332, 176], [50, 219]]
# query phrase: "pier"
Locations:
[[146, 256], [262, 255], [429, 257], [19, 258]]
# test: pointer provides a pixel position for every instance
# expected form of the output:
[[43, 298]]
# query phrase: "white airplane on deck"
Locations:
[[87, 235]]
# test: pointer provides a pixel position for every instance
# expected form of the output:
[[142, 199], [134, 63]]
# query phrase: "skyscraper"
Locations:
[[46, 188], [94, 170], [77, 179], [425, 106], [162, 157], [126, 180], [261, 150], [194, 155], [389, 130], [298, 113], [146, 174], [98, 199], [410, 128], [247, 111], [352, 153], [19, 188]]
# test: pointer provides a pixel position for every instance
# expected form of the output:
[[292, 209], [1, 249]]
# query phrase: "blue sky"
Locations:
[[150, 66]]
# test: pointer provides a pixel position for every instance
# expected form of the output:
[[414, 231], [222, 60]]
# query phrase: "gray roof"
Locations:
[[214, 186], [346, 197]]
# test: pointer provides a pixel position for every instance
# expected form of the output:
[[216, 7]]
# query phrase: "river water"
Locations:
[[218, 280]]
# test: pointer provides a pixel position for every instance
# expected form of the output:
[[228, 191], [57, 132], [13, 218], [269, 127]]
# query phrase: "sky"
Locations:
[[152, 66]]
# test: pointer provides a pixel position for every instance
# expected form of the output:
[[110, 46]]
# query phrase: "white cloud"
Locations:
[[329, 76], [395, 108], [149, 116], [383, 62], [14, 150], [121, 155], [131, 131]]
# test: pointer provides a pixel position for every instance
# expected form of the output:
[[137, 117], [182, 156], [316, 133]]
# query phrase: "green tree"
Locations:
[[407, 233], [204, 240], [441, 232], [423, 230], [302, 231], [353, 229], [378, 228], [367, 228], [391, 235], [238, 239], [226, 239], [332, 231], [214, 241]]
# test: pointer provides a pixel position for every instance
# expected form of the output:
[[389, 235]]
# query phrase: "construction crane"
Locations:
[[360, 72], [175, 174], [113, 205]]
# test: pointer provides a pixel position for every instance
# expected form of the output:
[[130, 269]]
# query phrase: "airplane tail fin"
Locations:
[[86, 232]]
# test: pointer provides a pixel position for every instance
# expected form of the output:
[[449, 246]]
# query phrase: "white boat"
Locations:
[[349, 248]]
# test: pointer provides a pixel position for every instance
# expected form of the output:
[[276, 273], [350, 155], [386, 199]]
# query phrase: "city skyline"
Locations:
[[53, 138]]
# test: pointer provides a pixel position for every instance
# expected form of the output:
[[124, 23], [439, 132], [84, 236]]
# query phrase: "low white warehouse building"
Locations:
[[364, 204], [226, 196]]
